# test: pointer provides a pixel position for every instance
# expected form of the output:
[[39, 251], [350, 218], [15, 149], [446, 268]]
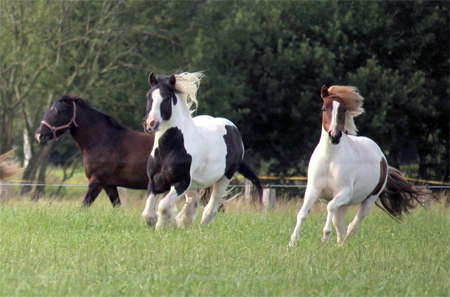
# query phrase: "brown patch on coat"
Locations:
[[383, 175]]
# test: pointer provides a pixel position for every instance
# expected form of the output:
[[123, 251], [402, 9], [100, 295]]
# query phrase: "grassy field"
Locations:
[[54, 248]]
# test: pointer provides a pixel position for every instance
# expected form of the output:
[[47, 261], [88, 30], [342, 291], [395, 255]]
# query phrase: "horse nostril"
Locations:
[[152, 124]]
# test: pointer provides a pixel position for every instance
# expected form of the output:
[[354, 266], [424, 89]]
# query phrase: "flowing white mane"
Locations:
[[188, 84]]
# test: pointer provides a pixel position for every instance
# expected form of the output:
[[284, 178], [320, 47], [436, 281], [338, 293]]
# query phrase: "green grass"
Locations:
[[58, 249]]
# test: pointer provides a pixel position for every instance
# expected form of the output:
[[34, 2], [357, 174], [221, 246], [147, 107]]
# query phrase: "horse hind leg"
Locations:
[[219, 190], [189, 211], [113, 195], [360, 215], [94, 188]]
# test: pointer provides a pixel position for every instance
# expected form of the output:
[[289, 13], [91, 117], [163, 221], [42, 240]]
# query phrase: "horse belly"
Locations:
[[208, 151], [208, 171], [365, 182]]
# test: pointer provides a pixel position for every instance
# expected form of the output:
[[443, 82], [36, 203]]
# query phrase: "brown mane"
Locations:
[[353, 101], [349, 96]]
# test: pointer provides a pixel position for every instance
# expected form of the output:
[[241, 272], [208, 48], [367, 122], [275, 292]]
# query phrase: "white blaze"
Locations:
[[334, 118], [155, 112]]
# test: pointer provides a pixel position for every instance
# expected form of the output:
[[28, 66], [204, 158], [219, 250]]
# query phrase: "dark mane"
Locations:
[[163, 84], [109, 119]]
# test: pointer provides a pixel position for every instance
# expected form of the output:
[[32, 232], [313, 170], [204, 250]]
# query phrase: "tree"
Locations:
[[267, 63]]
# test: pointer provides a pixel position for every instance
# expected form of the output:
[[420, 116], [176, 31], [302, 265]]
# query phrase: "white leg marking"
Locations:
[[165, 210], [210, 210], [311, 195], [149, 214], [189, 211]]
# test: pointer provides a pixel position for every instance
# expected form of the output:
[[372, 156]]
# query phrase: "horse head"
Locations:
[[57, 120], [169, 99], [160, 100], [333, 115]]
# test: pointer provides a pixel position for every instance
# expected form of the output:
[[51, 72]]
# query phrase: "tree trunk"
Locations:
[[6, 132], [40, 189], [36, 161]]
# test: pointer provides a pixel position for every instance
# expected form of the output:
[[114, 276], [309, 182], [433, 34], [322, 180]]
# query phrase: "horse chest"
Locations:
[[169, 164]]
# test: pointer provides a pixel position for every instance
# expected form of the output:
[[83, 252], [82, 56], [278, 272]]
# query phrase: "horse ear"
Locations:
[[324, 92], [172, 80], [152, 79]]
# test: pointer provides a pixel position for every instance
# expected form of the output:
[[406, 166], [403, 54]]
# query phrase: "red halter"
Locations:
[[72, 120]]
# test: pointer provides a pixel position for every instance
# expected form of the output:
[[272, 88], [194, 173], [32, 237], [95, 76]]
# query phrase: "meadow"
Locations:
[[55, 248]]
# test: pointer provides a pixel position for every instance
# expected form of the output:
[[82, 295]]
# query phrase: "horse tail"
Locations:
[[399, 196], [245, 170], [8, 167]]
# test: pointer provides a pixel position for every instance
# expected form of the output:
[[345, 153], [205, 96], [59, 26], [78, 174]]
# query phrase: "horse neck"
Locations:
[[181, 118], [332, 149], [91, 128]]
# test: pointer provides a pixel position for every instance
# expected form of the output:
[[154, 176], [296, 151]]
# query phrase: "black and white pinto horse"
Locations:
[[189, 153]]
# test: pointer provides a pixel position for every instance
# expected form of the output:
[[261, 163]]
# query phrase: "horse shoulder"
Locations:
[[170, 162]]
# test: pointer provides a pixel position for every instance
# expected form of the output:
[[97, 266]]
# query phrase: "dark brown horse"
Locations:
[[113, 155]]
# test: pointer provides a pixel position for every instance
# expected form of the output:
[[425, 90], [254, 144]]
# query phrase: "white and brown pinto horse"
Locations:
[[346, 170], [189, 153]]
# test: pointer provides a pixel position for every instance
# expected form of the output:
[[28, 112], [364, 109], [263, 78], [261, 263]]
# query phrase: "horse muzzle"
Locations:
[[151, 126], [336, 138], [42, 139]]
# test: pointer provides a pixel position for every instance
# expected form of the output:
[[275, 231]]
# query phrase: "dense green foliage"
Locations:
[[59, 249], [264, 61]]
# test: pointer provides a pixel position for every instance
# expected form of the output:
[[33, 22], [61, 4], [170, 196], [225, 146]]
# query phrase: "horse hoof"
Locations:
[[291, 244], [150, 220], [325, 241]]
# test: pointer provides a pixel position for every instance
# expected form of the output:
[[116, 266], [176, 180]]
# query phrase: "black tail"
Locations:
[[250, 175], [399, 196]]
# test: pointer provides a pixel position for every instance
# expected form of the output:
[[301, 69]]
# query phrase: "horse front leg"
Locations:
[[342, 198], [94, 188], [113, 195], [339, 223], [165, 211], [149, 214], [311, 196]]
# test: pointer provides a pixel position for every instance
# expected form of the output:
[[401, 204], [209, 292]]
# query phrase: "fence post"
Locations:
[[269, 196], [248, 192], [427, 198]]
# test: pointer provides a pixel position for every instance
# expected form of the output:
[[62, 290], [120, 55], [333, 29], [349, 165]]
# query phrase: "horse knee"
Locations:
[[331, 207], [301, 216]]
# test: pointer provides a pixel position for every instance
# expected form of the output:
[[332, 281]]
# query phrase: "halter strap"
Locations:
[[72, 120]]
